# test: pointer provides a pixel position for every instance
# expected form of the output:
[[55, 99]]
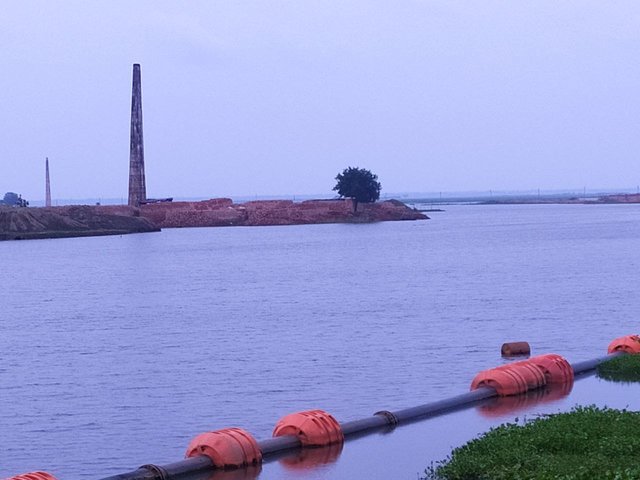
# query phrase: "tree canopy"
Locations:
[[13, 200], [359, 184]]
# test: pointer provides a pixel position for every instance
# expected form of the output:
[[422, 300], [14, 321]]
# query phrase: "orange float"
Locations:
[[627, 344], [531, 373], [227, 448], [555, 367], [513, 349], [314, 428], [511, 379], [504, 382], [33, 476]]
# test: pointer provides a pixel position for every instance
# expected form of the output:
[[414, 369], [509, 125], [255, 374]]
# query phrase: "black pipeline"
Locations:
[[195, 467], [273, 446]]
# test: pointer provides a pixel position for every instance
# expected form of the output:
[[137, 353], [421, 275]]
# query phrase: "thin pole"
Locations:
[[47, 196]]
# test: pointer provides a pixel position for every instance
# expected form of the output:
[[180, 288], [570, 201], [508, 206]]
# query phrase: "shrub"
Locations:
[[585, 443], [625, 368]]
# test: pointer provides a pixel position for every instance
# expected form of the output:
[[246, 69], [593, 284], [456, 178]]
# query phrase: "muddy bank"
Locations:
[[79, 221], [223, 212], [71, 221]]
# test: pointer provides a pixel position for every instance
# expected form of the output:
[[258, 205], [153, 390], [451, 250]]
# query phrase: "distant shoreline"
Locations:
[[602, 200], [557, 199]]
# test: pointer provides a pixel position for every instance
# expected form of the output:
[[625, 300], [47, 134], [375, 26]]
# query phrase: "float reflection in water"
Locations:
[[247, 473], [312, 457], [503, 406]]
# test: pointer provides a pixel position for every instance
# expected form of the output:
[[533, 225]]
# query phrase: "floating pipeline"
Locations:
[[235, 453]]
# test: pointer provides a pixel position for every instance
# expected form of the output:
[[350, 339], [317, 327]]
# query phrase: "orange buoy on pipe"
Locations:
[[627, 344], [314, 428], [504, 382], [513, 349], [531, 373], [33, 476], [555, 367], [227, 448], [511, 379]]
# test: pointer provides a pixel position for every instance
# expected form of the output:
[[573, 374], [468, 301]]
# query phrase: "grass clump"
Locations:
[[585, 443], [625, 368]]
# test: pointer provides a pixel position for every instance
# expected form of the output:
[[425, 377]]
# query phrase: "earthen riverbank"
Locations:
[[71, 221], [76, 221], [223, 212]]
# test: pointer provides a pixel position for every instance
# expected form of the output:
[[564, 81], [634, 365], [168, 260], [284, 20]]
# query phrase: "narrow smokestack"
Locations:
[[47, 196], [137, 186]]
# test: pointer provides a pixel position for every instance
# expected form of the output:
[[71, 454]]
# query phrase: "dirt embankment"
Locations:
[[223, 212], [71, 221], [79, 221]]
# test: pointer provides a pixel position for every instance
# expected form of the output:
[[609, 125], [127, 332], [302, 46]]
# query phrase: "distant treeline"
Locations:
[[12, 199]]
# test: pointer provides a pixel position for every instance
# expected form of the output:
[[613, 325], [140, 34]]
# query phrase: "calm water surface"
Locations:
[[116, 351]]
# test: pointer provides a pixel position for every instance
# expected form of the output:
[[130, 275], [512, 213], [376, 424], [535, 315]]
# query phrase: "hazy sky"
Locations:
[[276, 97]]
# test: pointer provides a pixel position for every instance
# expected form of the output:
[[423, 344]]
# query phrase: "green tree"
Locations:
[[11, 198], [359, 184], [14, 200]]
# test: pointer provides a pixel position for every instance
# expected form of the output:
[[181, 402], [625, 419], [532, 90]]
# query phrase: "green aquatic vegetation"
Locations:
[[625, 368], [585, 443]]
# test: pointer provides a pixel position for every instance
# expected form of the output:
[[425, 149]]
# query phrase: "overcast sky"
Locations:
[[276, 97]]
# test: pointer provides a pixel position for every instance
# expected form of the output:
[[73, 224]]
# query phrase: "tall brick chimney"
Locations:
[[137, 185]]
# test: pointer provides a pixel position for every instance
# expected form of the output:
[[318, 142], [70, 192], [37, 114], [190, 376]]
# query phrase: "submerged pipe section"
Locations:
[[219, 450], [179, 469], [588, 365], [433, 409]]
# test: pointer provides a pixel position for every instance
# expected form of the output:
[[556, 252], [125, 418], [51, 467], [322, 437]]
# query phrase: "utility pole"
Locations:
[[47, 195]]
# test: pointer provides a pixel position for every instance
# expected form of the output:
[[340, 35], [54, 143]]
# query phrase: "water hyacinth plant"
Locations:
[[585, 443], [625, 368]]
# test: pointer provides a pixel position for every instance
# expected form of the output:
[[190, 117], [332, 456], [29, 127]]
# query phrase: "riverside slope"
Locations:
[[71, 221], [223, 212], [85, 220]]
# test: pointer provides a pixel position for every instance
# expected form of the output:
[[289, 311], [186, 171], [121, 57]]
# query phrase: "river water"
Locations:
[[116, 351]]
